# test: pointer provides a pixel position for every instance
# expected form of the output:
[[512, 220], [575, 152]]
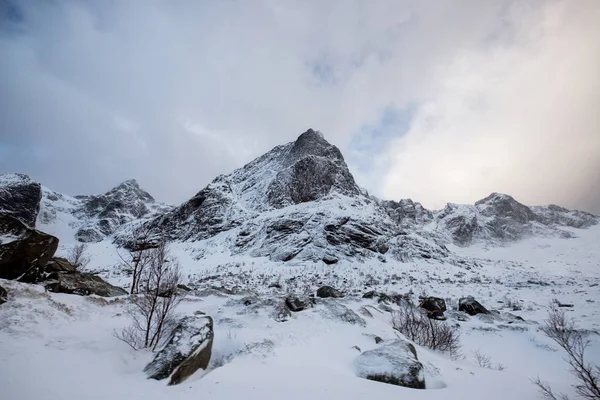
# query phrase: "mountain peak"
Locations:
[[313, 143], [129, 183]]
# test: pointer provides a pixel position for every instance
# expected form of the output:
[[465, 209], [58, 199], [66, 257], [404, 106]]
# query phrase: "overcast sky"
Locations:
[[442, 101]]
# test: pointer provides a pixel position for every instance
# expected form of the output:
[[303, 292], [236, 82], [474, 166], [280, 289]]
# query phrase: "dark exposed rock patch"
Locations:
[[28, 248], [471, 306], [328, 291], [3, 295], [81, 283], [296, 304], [20, 197], [435, 307]]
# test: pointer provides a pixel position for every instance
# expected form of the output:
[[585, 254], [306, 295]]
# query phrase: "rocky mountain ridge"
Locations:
[[298, 201]]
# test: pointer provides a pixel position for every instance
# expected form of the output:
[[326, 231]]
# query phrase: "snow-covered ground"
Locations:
[[58, 346]]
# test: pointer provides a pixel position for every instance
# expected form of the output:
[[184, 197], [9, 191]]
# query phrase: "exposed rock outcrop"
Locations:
[[22, 248], [435, 307], [81, 283], [20, 197], [3, 295], [328, 291], [188, 349], [471, 306]]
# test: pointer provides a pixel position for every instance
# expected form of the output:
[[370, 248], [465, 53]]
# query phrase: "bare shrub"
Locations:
[[485, 361], [152, 309], [416, 326], [140, 255], [77, 256], [564, 332]]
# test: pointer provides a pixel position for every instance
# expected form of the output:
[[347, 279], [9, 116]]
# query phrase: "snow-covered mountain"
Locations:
[[86, 218], [267, 233], [297, 202]]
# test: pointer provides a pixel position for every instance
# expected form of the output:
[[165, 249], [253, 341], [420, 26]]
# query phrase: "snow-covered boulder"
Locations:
[[333, 309], [187, 350], [471, 306], [395, 363]]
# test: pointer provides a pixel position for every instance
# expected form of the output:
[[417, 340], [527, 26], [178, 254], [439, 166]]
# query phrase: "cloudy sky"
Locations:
[[443, 101]]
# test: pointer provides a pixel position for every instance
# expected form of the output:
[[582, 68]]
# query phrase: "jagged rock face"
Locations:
[[20, 197], [111, 210], [311, 170], [22, 248], [93, 218], [408, 213], [306, 170], [299, 201], [555, 215], [500, 219]]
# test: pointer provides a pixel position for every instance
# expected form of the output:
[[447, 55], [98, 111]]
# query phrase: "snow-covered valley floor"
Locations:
[[59, 346]]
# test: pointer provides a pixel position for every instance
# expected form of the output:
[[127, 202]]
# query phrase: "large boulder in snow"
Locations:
[[22, 248], [435, 307], [471, 306], [81, 283], [328, 291], [395, 363], [187, 350], [20, 197], [295, 304]]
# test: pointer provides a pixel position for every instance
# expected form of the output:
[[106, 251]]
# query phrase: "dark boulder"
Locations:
[[435, 307], [30, 249], [3, 295], [370, 294], [188, 349], [328, 291], [81, 283], [471, 306], [59, 264], [40, 273], [295, 304]]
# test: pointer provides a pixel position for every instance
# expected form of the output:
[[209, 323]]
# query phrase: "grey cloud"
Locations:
[[175, 93]]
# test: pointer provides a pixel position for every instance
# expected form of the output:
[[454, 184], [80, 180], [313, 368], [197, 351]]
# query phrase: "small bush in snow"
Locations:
[[152, 308], [416, 326], [77, 256], [485, 361], [564, 332]]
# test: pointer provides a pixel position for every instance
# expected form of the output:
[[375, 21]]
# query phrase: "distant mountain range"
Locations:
[[298, 202]]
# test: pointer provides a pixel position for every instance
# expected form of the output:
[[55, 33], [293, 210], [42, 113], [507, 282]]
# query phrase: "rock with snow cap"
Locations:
[[187, 350], [394, 363]]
